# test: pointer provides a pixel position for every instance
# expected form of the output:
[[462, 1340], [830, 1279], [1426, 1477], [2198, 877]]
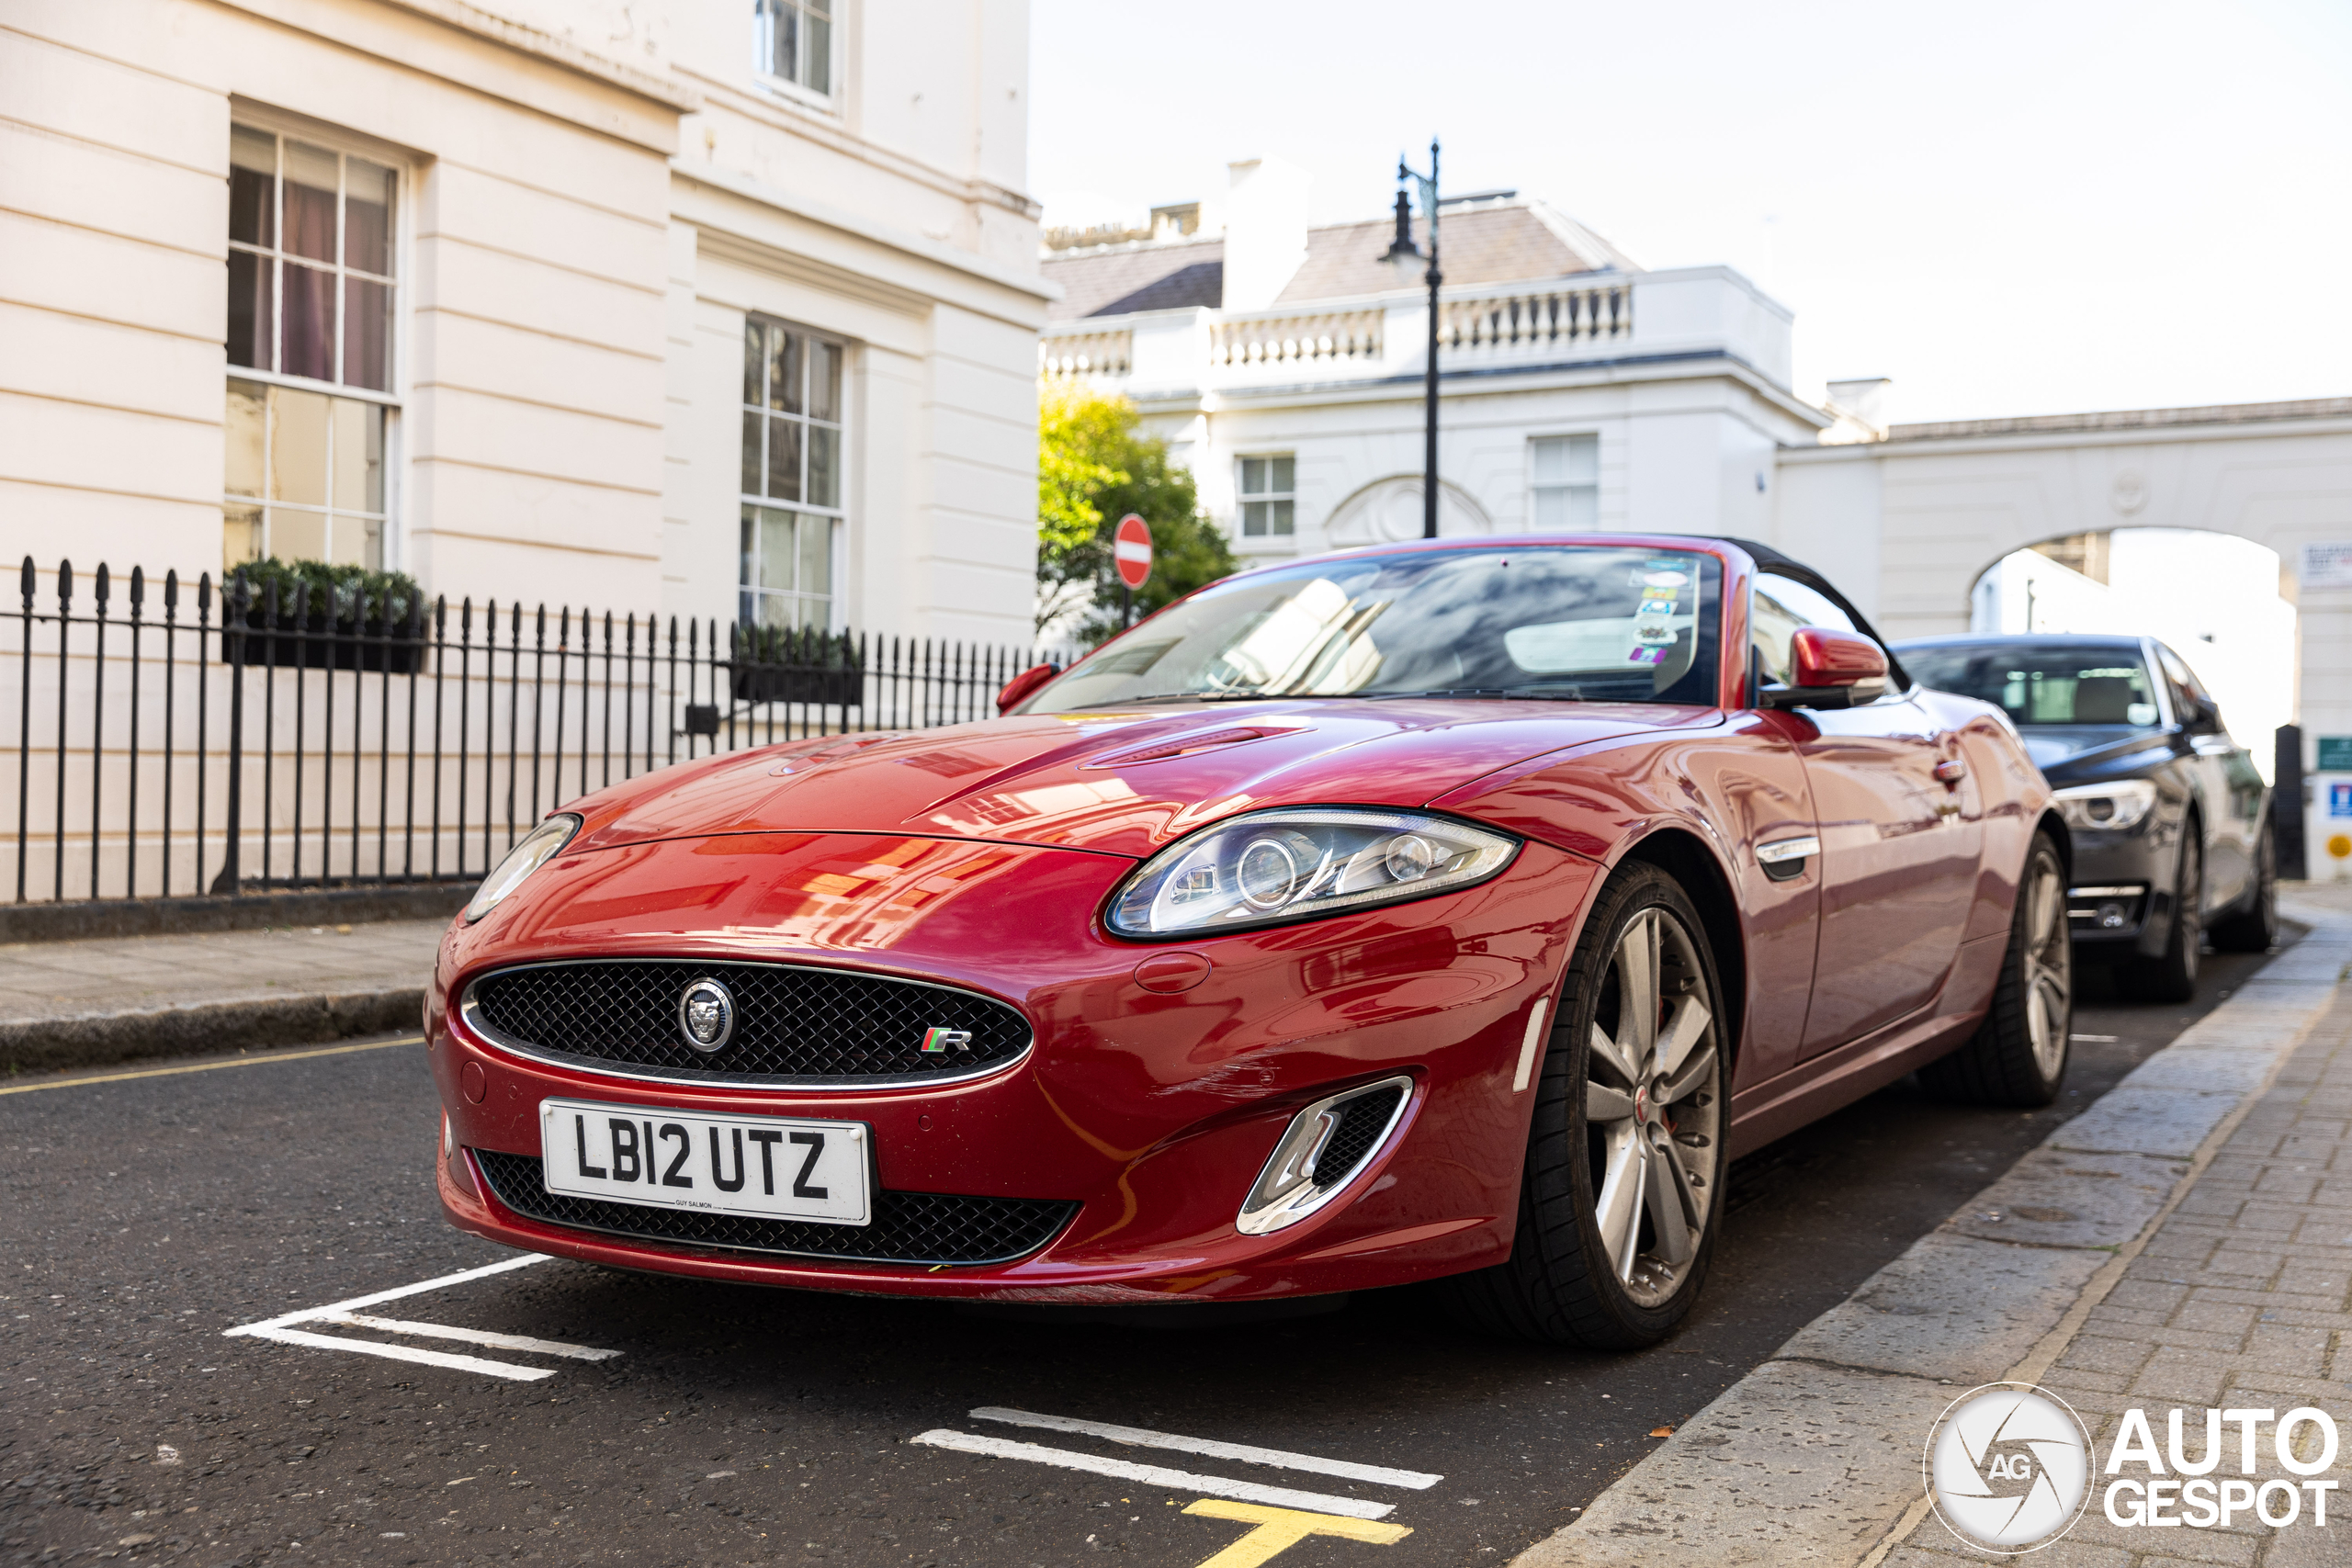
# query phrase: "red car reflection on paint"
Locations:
[[1450, 910]]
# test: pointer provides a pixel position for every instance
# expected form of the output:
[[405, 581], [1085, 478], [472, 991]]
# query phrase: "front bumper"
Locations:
[[2120, 902], [1146, 1114]]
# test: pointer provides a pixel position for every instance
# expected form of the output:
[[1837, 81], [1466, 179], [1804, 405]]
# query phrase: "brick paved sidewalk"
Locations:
[[65, 1004], [2242, 1297]]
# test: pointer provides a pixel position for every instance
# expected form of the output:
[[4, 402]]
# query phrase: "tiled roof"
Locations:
[[1502, 243]]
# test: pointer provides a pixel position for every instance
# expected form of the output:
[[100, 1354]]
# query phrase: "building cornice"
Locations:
[[828, 132], [560, 52], [2052, 440], [1032, 291]]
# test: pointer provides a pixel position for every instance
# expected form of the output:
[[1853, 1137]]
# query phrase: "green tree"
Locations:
[[1093, 468]]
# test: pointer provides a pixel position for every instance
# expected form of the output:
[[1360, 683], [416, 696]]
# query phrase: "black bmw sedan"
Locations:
[[2171, 822]]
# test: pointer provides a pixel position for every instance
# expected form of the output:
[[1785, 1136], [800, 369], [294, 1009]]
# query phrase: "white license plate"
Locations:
[[772, 1167]]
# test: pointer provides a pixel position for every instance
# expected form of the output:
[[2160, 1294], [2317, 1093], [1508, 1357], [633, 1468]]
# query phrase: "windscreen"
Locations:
[[2048, 683], [1566, 623]]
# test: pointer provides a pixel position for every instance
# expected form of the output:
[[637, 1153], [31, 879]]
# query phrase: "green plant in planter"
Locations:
[[344, 594]]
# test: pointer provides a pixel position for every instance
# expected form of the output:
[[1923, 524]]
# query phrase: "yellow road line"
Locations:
[[212, 1067]]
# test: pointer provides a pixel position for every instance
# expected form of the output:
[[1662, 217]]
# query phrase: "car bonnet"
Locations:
[[1124, 782]]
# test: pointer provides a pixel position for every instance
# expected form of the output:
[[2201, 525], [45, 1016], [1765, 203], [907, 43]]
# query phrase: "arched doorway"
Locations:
[[2220, 601]]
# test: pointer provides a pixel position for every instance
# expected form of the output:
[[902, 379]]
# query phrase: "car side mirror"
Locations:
[[1828, 668], [1017, 690]]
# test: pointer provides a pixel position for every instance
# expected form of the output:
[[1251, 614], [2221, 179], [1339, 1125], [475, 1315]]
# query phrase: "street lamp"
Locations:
[[1405, 257]]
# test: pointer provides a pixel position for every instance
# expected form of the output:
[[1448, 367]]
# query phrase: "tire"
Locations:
[[2018, 1055], [2172, 976], [2254, 929], [1646, 1143]]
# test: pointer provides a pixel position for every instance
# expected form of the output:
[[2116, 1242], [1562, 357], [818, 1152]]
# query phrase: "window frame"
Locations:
[[830, 99], [1244, 499], [393, 399], [749, 592], [1536, 438]]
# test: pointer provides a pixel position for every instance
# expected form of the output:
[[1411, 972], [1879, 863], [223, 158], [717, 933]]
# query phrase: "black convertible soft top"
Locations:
[[1774, 561]]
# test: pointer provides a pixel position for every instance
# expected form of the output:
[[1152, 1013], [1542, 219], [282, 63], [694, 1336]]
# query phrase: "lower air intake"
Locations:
[[908, 1227]]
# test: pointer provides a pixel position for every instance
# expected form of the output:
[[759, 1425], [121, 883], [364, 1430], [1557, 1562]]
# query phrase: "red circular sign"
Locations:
[[1131, 549]]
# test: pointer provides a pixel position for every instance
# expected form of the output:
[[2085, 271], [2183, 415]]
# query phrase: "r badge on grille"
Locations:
[[707, 1015], [937, 1040]]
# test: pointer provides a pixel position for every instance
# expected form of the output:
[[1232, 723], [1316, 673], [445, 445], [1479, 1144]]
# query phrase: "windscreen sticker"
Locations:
[[1654, 634], [1656, 578], [1647, 655], [1660, 603]]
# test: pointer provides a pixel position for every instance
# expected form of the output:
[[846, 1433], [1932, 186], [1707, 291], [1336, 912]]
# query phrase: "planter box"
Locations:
[[315, 642]]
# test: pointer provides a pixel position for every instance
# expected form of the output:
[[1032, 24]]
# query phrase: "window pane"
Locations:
[[824, 467], [253, 177], [249, 309], [1283, 484], [751, 425], [309, 321], [1253, 519], [824, 379], [1278, 521], [367, 334], [820, 63], [357, 480], [242, 435], [784, 370], [746, 550], [297, 446], [1551, 509], [367, 216], [1584, 459], [784, 57], [309, 202], [775, 549], [1584, 507], [1550, 460], [371, 543], [346, 541], [784, 459], [755, 360], [239, 536], [817, 559], [297, 535]]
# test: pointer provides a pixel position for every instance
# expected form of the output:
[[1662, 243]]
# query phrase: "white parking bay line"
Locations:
[[311, 1314], [473, 1336], [1379, 1475], [1154, 1476], [404, 1353]]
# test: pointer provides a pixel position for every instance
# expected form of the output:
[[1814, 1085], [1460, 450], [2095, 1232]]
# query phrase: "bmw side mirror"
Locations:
[[1018, 689], [1828, 668]]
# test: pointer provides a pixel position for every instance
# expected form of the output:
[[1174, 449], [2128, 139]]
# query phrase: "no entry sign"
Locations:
[[1131, 549]]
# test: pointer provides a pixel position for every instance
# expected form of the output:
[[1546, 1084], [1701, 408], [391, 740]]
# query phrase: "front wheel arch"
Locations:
[[1686, 858]]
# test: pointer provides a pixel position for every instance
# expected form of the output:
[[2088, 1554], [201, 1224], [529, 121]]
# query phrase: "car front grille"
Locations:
[[793, 1024], [908, 1227], [1362, 1121]]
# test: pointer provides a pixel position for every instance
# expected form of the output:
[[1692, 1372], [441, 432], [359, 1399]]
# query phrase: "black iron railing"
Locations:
[[227, 738]]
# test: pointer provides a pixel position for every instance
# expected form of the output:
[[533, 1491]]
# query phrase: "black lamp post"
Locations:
[[1405, 256]]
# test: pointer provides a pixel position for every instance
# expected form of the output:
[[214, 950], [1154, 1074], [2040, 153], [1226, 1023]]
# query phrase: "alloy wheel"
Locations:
[[1652, 1109], [2049, 967]]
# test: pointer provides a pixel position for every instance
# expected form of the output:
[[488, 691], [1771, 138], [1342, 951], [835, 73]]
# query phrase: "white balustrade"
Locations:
[[1092, 352], [1300, 338], [1538, 318]]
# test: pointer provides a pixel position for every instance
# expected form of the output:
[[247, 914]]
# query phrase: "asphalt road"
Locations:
[[146, 1215]]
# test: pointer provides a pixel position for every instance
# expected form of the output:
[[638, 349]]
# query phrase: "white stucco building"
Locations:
[[665, 305], [1284, 362]]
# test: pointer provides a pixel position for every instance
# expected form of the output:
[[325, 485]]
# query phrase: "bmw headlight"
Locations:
[[1271, 867], [2105, 807], [540, 845]]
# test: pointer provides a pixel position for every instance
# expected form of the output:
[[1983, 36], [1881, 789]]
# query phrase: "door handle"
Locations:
[[1949, 772]]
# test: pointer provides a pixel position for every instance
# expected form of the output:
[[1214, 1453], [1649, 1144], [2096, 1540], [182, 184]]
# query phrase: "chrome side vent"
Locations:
[[1326, 1146]]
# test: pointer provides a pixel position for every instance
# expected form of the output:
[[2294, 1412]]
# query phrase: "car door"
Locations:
[[1901, 830], [2221, 796]]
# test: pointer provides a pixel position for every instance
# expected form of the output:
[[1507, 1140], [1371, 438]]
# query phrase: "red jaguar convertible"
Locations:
[[1445, 911]]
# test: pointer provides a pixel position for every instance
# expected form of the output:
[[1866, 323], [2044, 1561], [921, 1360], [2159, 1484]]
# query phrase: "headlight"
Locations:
[[540, 845], [2107, 806], [1271, 867]]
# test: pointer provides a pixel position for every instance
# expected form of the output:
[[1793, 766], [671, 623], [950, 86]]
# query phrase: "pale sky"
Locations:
[[2009, 208]]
